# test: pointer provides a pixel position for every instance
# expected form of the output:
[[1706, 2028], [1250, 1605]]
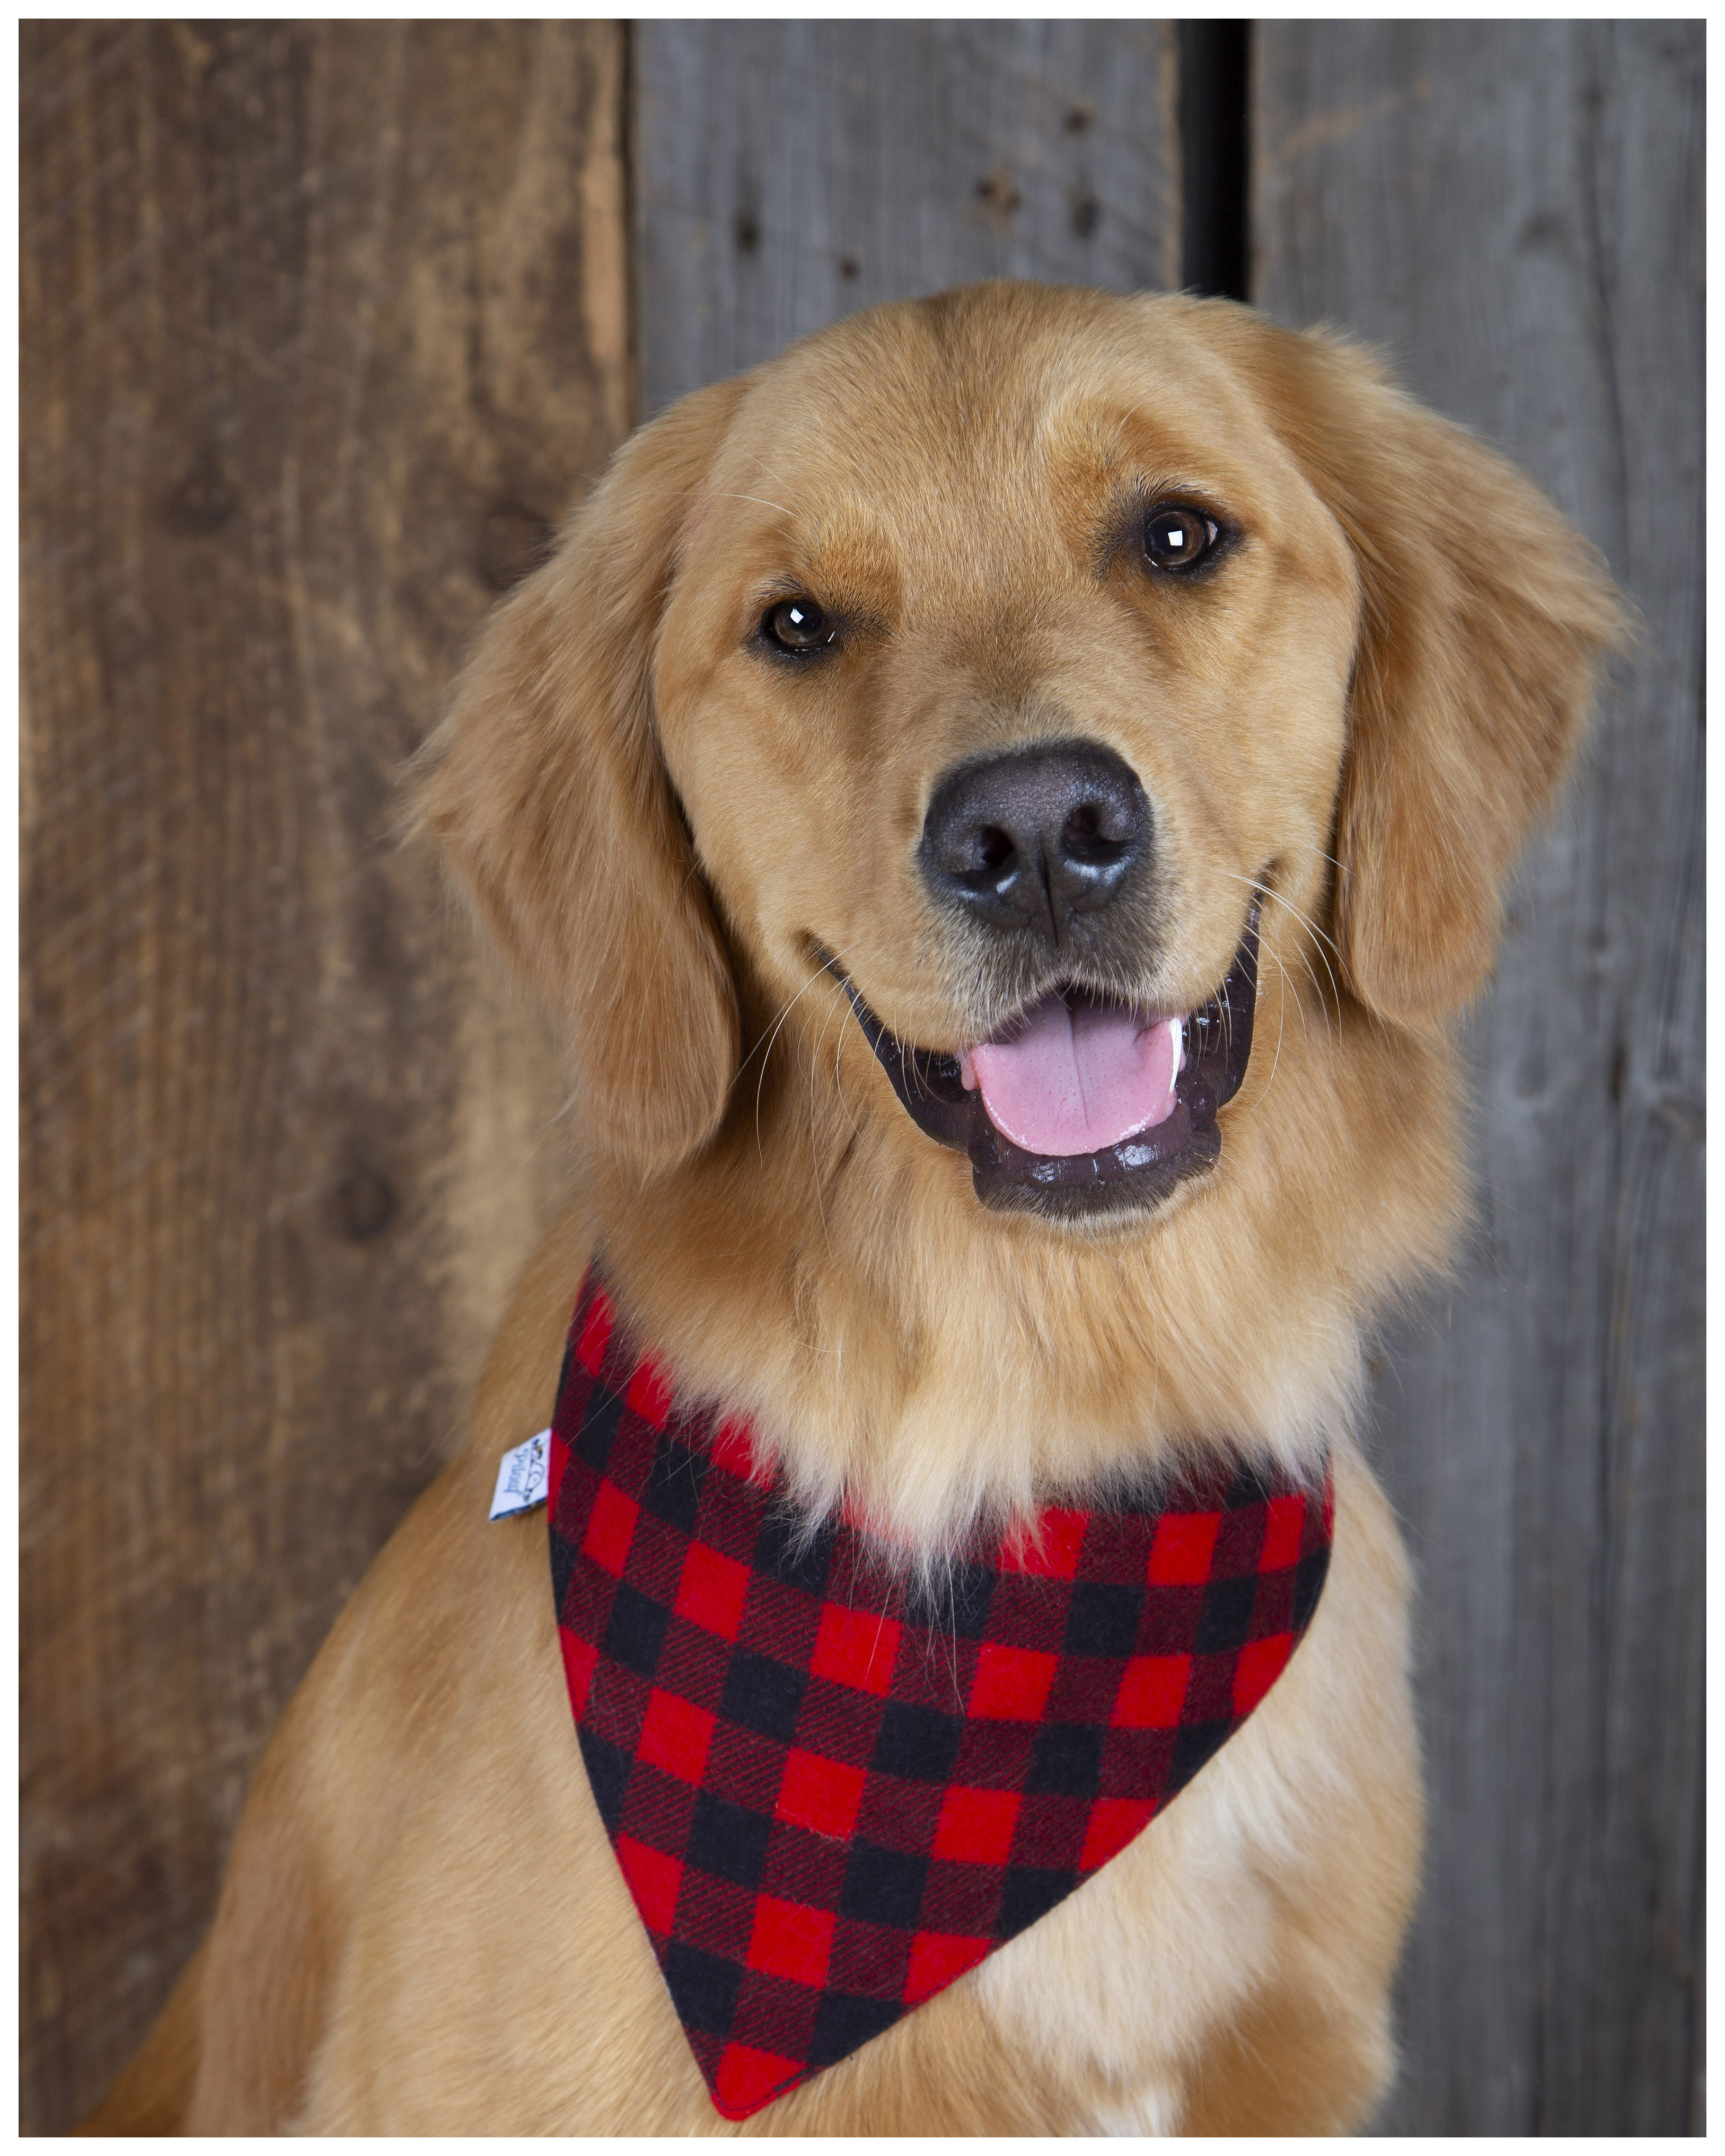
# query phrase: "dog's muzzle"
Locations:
[[1134, 1173]]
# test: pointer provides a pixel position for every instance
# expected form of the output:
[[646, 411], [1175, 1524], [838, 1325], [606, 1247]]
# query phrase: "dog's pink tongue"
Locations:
[[1077, 1080]]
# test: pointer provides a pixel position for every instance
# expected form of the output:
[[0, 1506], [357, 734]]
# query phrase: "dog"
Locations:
[[1005, 801]]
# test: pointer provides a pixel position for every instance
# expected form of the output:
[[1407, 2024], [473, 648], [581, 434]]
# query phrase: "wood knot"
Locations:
[[203, 502], [998, 193], [365, 1202]]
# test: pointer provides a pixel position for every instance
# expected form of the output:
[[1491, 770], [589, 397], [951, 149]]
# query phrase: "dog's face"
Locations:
[[1006, 682], [1009, 674]]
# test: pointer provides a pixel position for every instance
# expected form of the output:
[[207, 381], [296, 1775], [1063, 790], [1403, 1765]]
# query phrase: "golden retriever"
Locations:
[[984, 669]]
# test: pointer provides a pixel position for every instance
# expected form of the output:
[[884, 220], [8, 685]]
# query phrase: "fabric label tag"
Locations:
[[521, 1477]]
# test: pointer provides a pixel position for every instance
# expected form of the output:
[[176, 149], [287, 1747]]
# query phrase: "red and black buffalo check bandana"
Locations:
[[829, 1799]]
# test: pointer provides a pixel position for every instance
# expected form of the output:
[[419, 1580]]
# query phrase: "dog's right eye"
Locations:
[[1179, 537], [797, 625]]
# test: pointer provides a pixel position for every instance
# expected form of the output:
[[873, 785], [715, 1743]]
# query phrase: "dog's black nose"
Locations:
[[1034, 838]]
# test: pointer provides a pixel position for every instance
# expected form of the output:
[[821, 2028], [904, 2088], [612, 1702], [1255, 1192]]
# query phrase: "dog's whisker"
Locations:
[[1281, 1001], [1323, 1001], [813, 1117], [763, 1046], [712, 494], [1320, 937], [1280, 898]]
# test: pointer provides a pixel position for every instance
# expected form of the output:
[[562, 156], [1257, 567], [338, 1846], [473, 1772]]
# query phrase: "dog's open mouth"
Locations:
[[1082, 1104]]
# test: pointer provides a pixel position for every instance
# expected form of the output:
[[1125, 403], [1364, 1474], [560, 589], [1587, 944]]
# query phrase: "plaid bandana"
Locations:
[[830, 1799]]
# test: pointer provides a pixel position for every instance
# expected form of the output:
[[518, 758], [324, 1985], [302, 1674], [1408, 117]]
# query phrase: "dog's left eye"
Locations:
[[797, 625], [1179, 537]]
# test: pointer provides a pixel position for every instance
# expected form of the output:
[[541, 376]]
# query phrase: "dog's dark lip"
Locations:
[[1134, 1176]]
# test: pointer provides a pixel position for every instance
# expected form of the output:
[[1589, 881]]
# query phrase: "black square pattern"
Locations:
[[917, 1743], [673, 1488], [635, 1636], [955, 1605], [563, 1569], [787, 1551], [844, 2022], [727, 1840], [882, 1885], [1102, 1620], [598, 1429], [763, 1696], [703, 1987], [607, 1774], [1066, 1760], [1196, 1743], [1227, 1615], [1027, 1893], [1308, 1585]]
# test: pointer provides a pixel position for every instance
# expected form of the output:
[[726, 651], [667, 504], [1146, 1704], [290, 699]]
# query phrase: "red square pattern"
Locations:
[[650, 1392], [1152, 1693], [935, 1959], [855, 1647], [1011, 1683], [1114, 1821], [712, 1590], [792, 1941], [822, 1794], [976, 1825], [676, 1735], [596, 1334], [733, 1449], [1180, 1554], [1284, 1526], [746, 2079], [1261, 1662], [580, 1660], [655, 1880], [1052, 1551], [610, 1529]]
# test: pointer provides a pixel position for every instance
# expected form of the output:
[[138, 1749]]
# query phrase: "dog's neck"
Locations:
[[826, 1269]]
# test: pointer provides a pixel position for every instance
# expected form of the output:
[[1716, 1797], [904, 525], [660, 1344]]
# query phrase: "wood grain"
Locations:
[[788, 173], [322, 327], [1514, 210]]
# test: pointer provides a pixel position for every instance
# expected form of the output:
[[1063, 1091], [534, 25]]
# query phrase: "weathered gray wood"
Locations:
[[788, 173], [1516, 211], [321, 325]]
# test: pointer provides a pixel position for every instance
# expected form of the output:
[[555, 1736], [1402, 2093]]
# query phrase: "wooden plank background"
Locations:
[[323, 326], [1514, 210], [788, 173]]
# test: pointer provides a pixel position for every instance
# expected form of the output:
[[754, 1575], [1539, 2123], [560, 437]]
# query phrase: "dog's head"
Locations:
[[1013, 676]]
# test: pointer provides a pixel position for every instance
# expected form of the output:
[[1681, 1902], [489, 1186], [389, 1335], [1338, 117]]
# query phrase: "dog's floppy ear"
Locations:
[[1485, 618], [545, 785]]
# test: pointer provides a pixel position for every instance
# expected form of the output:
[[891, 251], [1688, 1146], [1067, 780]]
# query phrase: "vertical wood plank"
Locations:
[[323, 326], [788, 173], [1514, 210]]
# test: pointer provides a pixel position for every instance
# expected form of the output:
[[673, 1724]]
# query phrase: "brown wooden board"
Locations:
[[788, 173], [1514, 210], [321, 327]]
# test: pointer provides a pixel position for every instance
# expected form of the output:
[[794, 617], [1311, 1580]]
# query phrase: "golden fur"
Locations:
[[1360, 713]]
